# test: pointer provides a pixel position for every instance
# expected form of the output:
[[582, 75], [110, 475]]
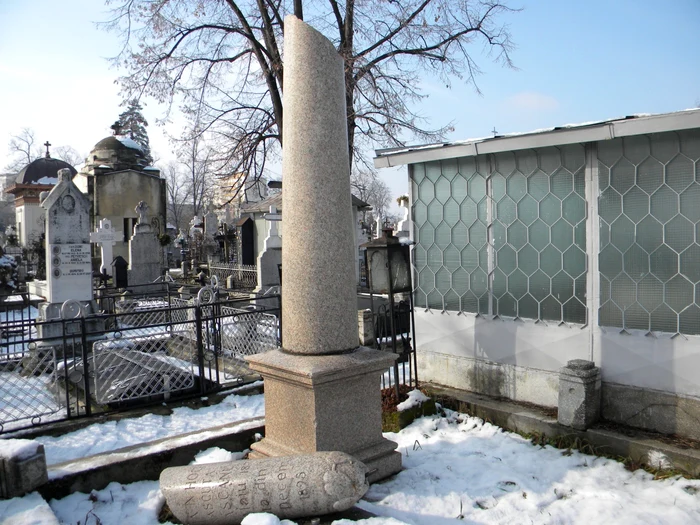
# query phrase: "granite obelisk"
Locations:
[[321, 390]]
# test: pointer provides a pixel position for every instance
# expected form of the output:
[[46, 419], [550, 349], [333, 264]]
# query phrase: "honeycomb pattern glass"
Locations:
[[649, 222], [519, 230], [541, 233]]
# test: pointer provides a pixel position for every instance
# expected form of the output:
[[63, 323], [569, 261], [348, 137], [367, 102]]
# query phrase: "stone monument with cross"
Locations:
[[105, 236], [145, 265], [68, 253], [322, 389], [270, 257]]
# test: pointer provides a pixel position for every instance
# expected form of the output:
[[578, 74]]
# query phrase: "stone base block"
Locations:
[[324, 403], [22, 467], [579, 394]]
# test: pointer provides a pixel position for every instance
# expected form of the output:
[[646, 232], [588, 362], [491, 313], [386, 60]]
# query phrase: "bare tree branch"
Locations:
[[221, 63]]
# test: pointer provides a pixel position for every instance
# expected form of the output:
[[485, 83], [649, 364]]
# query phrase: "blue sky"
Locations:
[[577, 61]]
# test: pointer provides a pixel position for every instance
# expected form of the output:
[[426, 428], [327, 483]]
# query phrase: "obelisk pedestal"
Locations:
[[322, 391]]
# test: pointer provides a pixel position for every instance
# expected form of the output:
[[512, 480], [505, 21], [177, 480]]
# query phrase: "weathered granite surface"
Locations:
[[326, 403], [319, 313], [289, 487], [579, 394], [22, 467]]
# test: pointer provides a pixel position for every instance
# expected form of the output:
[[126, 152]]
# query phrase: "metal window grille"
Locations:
[[649, 207], [503, 234]]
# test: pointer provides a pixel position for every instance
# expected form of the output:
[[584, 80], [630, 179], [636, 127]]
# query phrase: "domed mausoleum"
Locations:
[[37, 176], [116, 177]]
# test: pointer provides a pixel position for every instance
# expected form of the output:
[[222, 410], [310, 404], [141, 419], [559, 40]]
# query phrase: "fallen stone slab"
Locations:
[[288, 487]]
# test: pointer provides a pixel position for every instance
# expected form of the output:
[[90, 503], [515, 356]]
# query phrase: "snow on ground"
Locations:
[[103, 437], [457, 469]]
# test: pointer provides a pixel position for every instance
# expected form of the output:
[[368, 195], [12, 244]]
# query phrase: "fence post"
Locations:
[[86, 369], [200, 345]]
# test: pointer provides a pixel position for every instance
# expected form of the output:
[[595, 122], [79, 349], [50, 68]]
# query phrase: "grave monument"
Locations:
[[68, 255], [145, 251], [106, 236], [322, 391], [271, 256]]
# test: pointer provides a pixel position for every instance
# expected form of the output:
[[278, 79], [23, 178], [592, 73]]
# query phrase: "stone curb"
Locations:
[[523, 420], [146, 461]]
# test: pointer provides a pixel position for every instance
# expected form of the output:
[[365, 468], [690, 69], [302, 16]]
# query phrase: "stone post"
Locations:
[[579, 394], [322, 391]]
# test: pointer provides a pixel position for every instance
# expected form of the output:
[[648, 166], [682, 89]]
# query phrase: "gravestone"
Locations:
[[290, 487], [145, 263], [321, 390], [106, 236], [403, 228], [271, 256], [68, 255], [120, 272]]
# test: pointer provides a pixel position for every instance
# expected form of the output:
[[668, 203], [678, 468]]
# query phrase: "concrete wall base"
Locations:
[[651, 409]]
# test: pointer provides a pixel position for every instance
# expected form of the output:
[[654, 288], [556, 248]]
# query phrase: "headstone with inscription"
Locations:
[[288, 487], [145, 263], [69, 264], [68, 254]]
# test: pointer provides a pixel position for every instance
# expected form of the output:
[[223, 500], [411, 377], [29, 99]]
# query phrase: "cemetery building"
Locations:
[[233, 191], [116, 177], [577, 242], [36, 177]]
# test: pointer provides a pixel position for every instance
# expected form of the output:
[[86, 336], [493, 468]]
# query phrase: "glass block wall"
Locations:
[[649, 209], [503, 234]]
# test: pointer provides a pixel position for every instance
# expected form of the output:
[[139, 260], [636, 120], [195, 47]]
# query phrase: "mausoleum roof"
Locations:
[[117, 152], [42, 171]]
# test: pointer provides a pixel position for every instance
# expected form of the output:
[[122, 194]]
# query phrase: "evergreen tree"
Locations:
[[133, 125]]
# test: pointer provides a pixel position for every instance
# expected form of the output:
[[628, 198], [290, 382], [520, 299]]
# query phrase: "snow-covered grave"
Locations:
[[457, 469]]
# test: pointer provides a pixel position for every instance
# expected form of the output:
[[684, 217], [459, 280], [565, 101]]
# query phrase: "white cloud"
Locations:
[[532, 101]]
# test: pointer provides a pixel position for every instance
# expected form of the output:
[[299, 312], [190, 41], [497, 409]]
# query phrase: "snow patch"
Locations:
[[264, 518], [129, 143], [217, 455], [657, 459], [18, 448], [47, 180], [415, 398], [29, 510]]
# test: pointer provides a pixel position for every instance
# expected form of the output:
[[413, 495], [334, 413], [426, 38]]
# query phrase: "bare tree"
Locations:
[[176, 187], [197, 160], [23, 150], [223, 61], [366, 185], [68, 154]]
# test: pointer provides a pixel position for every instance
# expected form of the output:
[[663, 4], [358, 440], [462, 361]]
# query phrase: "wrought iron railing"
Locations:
[[146, 350], [245, 276]]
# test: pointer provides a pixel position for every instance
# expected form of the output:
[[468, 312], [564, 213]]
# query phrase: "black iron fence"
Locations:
[[144, 348], [393, 332]]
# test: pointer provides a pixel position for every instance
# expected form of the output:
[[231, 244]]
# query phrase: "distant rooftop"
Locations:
[[637, 124]]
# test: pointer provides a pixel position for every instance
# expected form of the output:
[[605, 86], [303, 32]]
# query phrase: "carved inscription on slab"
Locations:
[[289, 487]]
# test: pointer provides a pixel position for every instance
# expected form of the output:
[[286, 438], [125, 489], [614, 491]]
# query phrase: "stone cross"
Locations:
[[47, 144], [142, 210], [273, 239], [105, 236]]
